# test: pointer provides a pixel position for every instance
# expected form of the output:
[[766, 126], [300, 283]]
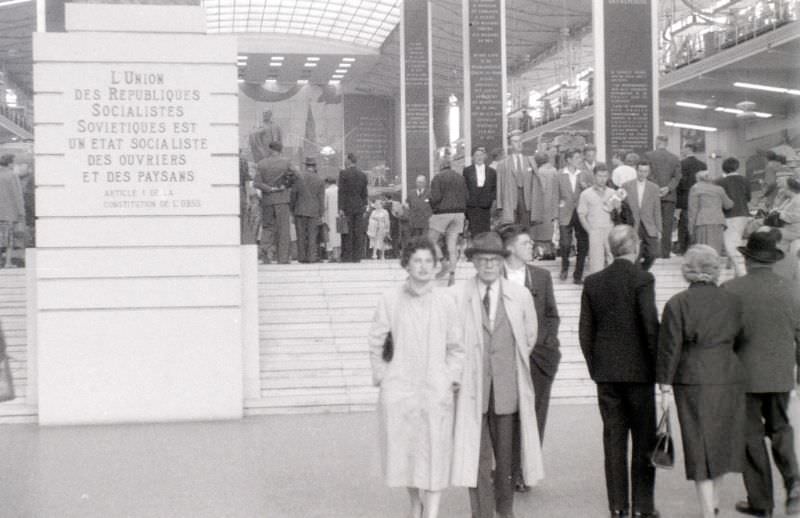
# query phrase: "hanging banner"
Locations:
[[416, 94], [626, 100], [484, 74]]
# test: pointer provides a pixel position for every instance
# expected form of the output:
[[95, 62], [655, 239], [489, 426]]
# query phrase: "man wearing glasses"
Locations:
[[500, 328]]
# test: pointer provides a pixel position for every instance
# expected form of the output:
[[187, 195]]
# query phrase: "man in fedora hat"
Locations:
[[308, 206], [499, 332], [769, 351]]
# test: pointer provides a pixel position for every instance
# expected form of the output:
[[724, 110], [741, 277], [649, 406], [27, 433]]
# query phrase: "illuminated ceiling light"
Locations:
[[736, 111], [348, 60], [302, 81], [241, 80], [732, 111], [310, 65], [241, 58], [334, 82], [276, 58], [341, 70], [345, 65], [691, 105], [337, 76], [767, 88], [9, 3], [312, 58], [276, 64], [689, 126]]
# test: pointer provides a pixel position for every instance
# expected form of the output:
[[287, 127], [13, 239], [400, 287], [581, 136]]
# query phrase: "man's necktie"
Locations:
[[487, 302]]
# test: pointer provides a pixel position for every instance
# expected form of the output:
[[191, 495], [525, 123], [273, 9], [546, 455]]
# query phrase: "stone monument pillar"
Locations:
[[138, 274]]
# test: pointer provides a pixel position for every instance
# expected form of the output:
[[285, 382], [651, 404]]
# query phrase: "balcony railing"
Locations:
[[742, 24]]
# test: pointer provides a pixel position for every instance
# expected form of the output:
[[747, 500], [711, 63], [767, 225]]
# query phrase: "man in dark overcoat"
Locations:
[[352, 206], [545, 356], [769, 352], [618, 333]]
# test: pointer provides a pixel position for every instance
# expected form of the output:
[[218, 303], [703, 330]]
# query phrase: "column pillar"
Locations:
[[416, 93], [485, 114], [626, 75]]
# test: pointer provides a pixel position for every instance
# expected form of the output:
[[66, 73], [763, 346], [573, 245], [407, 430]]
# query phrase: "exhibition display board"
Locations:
[[139, 271], [485, 117], [626, 94], [416, 92]]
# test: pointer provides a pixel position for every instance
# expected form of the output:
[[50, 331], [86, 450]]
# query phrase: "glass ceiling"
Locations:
[[360, 22]]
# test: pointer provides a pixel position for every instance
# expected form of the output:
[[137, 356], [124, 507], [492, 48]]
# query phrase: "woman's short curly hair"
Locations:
[[701, 264], [418, 243]]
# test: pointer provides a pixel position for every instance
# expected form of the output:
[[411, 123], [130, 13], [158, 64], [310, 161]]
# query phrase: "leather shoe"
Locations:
[[619, 514], [563, 275], [578, 281], [651, 514], [520, 487], [744, 507]]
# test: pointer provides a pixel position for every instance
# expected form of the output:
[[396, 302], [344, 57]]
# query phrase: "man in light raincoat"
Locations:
[[500, 326]]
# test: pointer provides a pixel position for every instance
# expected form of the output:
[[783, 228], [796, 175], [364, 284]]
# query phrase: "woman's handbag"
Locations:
[[773, 219], [388, 348], [663, 455]]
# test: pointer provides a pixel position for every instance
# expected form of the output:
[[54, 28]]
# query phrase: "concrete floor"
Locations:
[[283, 467]]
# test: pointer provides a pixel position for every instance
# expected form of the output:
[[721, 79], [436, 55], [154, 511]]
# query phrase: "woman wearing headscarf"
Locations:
[[696, 355], [417, 380]]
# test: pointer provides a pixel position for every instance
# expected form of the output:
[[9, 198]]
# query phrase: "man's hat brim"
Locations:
[[762, 256], [469, 252]]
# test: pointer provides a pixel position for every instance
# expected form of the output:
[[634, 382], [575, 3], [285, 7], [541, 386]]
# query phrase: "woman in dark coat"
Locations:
[[696, 356]]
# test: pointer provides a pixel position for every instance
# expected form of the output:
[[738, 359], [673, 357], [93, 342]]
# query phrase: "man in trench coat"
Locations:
[[500, 328]]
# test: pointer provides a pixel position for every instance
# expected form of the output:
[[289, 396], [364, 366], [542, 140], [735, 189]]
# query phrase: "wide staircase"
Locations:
[[313, 326], [314, 321]]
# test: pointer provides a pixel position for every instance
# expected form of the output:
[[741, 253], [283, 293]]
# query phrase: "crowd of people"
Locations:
[[304, 216], [465, 372]]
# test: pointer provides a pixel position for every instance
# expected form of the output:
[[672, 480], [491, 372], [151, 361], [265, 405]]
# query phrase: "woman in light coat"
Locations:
[[334, 243], [706, 219], [418, 383]]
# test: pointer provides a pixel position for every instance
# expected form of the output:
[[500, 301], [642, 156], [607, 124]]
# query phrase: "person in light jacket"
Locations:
[[418, 382], [500, 327], [706, 219]]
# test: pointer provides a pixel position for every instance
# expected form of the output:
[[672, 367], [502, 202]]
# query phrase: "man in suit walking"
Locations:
[[352, 205], [482, 187], [545, 355], [274, 179], [419, 207], [571, 183], [643, 199], [500, 329], [308, 206], [515, 184], [618, 335], [769, 352], [666, 169]]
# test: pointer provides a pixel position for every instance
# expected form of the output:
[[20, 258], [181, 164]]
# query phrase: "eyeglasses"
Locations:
[[487, 261]]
